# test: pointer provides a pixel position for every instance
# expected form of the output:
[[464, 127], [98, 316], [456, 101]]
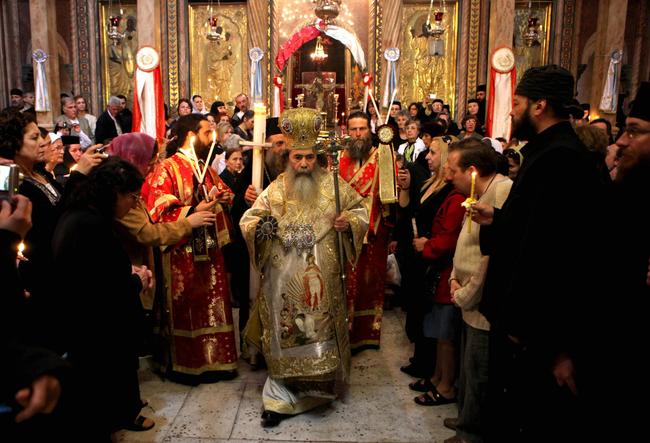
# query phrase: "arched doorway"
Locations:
[[319, 82]]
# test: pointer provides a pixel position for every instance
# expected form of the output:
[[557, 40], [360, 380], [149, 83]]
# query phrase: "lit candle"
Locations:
[[473, 189], [472, 200], [21, 249]]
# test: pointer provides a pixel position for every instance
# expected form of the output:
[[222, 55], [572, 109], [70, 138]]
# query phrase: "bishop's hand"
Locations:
[[341, 223]]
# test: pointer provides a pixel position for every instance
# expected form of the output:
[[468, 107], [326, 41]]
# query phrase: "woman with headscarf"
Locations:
[[139, 234]]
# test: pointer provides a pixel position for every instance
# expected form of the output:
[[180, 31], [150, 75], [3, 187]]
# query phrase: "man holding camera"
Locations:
[[78, 126]]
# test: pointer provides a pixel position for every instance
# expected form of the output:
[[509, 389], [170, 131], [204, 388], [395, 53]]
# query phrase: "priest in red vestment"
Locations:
[[196, 320], [360, 167]]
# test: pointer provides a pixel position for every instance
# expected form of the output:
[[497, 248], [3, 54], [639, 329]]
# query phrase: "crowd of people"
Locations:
[[512, 254]]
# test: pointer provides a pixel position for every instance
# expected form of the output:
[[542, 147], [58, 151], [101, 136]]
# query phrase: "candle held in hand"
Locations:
[[473, 189]]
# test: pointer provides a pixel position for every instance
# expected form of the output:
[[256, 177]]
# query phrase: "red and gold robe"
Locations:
[[200, 321], [366, 281]]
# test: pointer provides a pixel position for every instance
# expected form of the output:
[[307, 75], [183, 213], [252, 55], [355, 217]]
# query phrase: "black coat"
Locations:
[[125, 119], [543, 247], [103, 312], [21, 362], [37, 274], [105, 128]]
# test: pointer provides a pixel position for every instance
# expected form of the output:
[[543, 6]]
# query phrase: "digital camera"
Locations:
[[10, 179]]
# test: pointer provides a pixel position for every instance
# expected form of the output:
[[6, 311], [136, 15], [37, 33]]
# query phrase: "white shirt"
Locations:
[[419, 147], [117, 125]]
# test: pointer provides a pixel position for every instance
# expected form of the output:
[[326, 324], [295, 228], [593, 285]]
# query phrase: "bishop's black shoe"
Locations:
[[271, 419]]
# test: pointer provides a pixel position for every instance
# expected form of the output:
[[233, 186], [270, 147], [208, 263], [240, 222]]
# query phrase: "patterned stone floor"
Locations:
[[378, 407]]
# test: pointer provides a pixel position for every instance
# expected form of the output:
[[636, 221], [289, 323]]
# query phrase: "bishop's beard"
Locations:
[[302, 185], [359, 148]]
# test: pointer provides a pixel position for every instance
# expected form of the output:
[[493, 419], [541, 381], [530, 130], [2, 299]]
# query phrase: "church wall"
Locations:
[[379, 24]]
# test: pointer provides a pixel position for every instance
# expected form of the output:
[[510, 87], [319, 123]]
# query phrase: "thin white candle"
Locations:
[[391, 105], [375, 105], [207, 161]]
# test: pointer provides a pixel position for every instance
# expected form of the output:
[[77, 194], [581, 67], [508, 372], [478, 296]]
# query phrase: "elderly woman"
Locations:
[[224, 132], [53, 153], [21, 142]]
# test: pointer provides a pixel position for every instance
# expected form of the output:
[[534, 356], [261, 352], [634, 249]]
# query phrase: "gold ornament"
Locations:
[[301, 127]]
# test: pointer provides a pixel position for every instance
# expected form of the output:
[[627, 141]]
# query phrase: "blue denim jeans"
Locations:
[[472, 386]]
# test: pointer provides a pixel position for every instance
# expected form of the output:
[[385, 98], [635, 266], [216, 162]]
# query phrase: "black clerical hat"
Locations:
[[70, 139], [549, 82], [272, 127], [641, 105]]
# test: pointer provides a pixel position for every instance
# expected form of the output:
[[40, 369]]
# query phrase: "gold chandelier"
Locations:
[[114, 24], [436, 29], [215, 32], [531, 34], [319, 55]]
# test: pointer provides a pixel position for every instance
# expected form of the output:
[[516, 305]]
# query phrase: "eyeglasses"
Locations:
[[513, 154], [636, 132]]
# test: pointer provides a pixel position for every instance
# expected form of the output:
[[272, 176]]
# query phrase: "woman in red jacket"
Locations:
[[443, 320]]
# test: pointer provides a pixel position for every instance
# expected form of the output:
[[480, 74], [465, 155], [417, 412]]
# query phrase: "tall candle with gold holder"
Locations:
[[259, 130]]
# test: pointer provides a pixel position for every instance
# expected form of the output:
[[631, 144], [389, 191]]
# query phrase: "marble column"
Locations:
[[610, 35], [501, 12], [149, 20], [636, 59], [10, 73], [259, 35], [483, 56], [42, 15], [391, 35]]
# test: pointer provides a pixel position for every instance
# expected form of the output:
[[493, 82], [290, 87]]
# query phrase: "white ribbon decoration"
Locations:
[[501, 123], [42, 99], [146, 101], [391, 85], [609, 99], [256, 55]]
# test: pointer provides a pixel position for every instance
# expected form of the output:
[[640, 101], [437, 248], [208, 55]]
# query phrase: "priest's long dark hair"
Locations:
[[183, 126]]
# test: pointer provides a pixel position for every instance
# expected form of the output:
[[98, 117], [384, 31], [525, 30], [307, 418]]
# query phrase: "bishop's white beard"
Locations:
[[303, 185]]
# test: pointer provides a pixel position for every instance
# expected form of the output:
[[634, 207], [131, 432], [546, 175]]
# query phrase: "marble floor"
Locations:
[[378, 406]]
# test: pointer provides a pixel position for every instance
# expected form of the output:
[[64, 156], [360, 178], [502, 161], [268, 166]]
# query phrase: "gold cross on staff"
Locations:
[[253, 144]]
